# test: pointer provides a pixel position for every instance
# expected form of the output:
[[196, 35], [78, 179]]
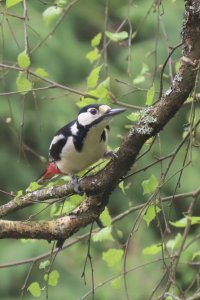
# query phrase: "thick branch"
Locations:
[[100, 186]]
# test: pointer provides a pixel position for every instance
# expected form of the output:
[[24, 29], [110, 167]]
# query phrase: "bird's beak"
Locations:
[[113, 112]]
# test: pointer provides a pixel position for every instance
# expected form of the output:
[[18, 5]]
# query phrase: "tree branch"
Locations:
[[99, 187]]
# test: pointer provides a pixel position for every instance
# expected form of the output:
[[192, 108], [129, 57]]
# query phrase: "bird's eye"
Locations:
[[93, 111]]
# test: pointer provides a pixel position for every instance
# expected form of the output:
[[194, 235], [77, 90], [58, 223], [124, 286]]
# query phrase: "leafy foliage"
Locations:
[[151, 213], [35, 289], [41, 72], [51, 14], [153, 249], [117, 36], [150, 95], [112, 257], [24, 85], [93, 77], [10, 3], [23, 60], [103, 234], [105, 217], [52, 277], [150, 185]]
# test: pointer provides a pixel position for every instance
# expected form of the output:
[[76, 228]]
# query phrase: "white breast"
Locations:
[[93, 149]]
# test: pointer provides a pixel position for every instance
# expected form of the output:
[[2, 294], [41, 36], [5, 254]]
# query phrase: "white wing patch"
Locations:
[[56, 139], [74, 129]]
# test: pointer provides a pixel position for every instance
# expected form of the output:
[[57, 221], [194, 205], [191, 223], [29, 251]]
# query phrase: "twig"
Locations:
[[119, 217], [164, 65], [26, 280], [55, 84], [88, 256]]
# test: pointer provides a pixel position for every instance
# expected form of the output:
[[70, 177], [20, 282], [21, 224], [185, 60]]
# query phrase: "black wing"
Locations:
[[60, 140]]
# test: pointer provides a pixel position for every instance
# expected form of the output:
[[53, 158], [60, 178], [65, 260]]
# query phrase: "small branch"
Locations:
[[164, 65], [54, 84], [58, 22], [119, 217], [176, 259], [25, 26], [26, 280], [88, 256]]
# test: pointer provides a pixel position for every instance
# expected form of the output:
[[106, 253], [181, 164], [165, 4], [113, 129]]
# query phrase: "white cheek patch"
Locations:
[[56, 139], [86, 118]]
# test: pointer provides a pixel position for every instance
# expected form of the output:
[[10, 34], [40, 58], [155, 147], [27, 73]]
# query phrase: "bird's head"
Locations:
[[94, 114]]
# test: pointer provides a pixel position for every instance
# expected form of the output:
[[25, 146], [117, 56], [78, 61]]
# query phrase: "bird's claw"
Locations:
[[76, 184], [111, 154]]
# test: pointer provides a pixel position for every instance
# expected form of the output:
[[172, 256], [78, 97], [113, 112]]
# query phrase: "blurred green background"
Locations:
[[34, 118]]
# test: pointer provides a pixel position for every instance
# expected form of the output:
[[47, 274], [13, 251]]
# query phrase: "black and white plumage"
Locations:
[[82, 142]]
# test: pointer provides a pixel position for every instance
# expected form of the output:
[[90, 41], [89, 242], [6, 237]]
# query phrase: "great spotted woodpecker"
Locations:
[[80, 143]]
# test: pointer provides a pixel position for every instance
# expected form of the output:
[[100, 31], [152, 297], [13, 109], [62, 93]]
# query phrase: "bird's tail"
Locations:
[[50, 172]]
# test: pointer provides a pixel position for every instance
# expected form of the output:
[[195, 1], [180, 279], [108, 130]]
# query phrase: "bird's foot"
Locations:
[[76, 184], [99, 223], [111, 154]]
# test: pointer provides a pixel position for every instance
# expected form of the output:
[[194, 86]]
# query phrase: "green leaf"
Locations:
[[119, 233], [93, 77], [18, 197], [93, 55], [19, 193], [121, 186], [151, 213], [116, 283], [150, 185], [106, 218], [112, 257], [96, 40], [139, 79], [177, 66], [61, 3], [180, 223], [194, 220], [150, 95], [117, 36], [51, 14], [23, 84], [145, 69], [195, 254], [152, 250], [54, 210], [84, 102], [184, 221], [23, 60], [103, 95], [10, 3], [104, 84], [41, 72], [175, 243], [135, 116], [44, 264], [34, 289], [33, 186], [70, 204], [52, 278], [103, 234]]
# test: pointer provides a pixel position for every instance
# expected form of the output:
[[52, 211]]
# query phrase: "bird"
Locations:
[[80, 143]]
